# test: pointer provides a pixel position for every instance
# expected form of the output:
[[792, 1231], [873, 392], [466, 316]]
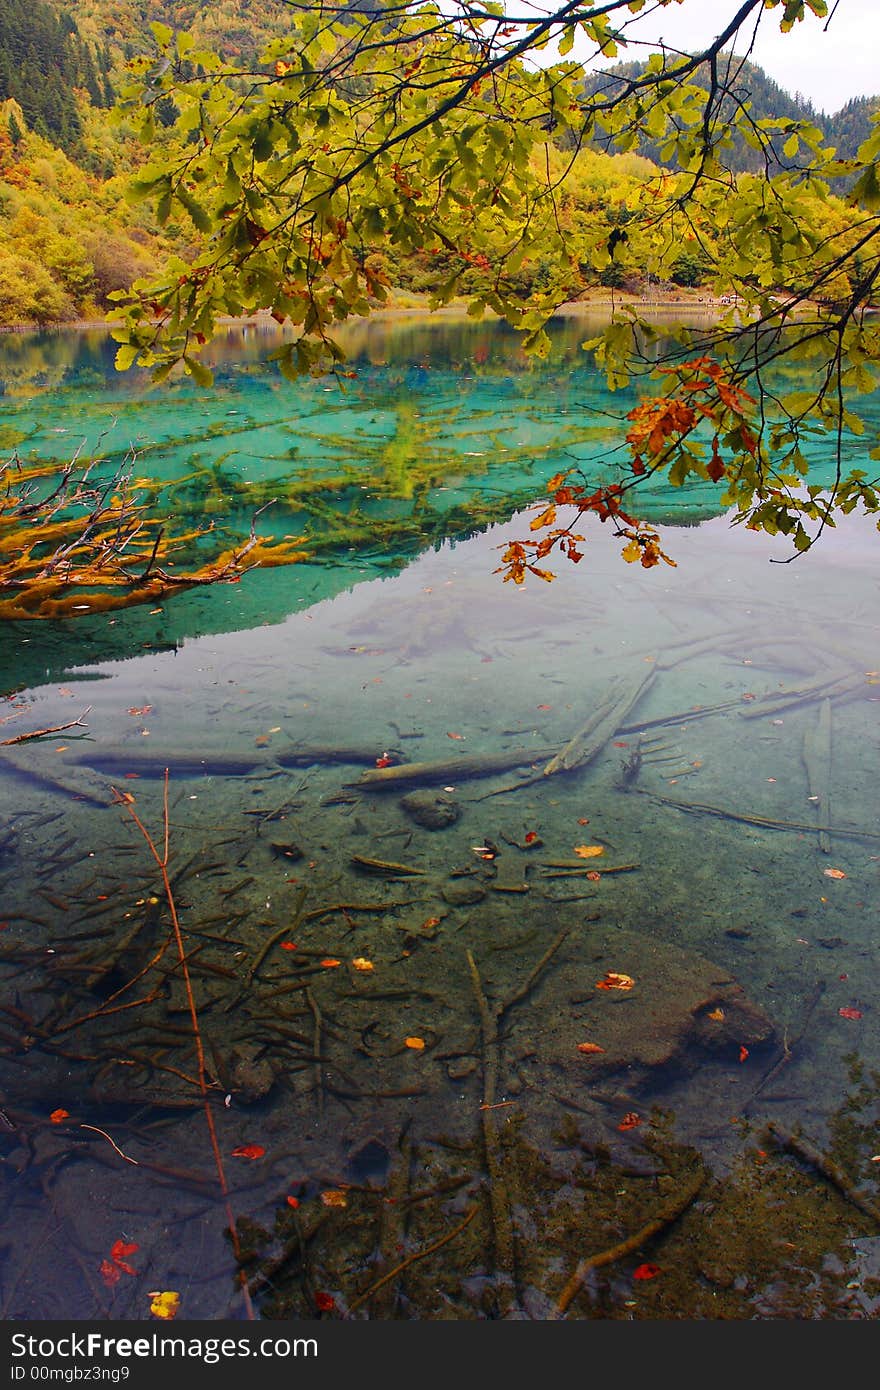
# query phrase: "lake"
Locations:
[[521, 926]]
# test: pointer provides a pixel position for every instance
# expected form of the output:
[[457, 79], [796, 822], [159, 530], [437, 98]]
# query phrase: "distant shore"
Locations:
[[405, 304]]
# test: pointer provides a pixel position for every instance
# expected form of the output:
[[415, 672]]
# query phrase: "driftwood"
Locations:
[[697, 808], [817, 761], [591, 738], [82, 785], [452, 770], [829, 687]]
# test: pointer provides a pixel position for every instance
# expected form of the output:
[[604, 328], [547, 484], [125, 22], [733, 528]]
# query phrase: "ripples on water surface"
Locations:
[[394, 984]]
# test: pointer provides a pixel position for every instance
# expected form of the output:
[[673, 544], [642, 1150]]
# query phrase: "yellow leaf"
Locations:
[[547, 518], [164, 1305], [589, 851], [631, 552], [361, 963], [334, 1197], [716, 1015]]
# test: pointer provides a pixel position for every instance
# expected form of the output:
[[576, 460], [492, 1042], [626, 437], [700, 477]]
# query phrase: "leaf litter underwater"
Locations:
[[474, 1039]]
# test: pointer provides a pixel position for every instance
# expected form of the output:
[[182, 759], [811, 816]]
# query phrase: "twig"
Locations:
[[127, 801], [411, 1259], [673, 1209], [796, 1144], [111, 1142], [52, 729]]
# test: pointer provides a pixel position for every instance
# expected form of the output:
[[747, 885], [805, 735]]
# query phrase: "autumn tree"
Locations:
[[453, 129]]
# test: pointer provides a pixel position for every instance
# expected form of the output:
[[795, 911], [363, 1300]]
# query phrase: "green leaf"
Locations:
[[201, 375]]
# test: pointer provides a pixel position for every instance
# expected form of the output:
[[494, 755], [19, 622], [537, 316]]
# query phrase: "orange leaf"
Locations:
[[334, 1197], [646, 1271], [417, 1044], [109, 1273], [248, 1151], [455, 736], [589, 851], [593, 875], [834, 873], [630, 1121], [716, 1015], [361, 963], [59, 1116], [614, 980], [292, 1202], [531, 836], [330, 962], [288, 946], [590, 1047], [743, 1053]]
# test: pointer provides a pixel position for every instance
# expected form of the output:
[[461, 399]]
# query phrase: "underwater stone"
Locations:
[[430, 810], [461, 893]]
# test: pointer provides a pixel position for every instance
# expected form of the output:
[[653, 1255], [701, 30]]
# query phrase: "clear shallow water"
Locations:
[[268, 701]]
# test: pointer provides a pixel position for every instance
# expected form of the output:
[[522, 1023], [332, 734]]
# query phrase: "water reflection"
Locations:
[[468, 1018]]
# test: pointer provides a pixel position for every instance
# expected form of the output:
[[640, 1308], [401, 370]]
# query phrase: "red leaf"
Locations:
[[288, 946], [531, 836], [292, 1202], [121, 1250], [325, 1302], [646, 1271], [109, 1273], [743, 1053], [248, 1151], [455, 735], [630, 1121], [59, 1116], [850, 1013]]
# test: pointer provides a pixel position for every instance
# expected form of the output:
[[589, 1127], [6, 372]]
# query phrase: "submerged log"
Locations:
[[592, 737], [446, 769]]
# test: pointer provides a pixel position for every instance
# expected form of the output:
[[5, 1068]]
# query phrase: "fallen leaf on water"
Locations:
[[590, 1047], [846, 1012], [743, 1053], [121, 1249], [288, 946], [334, 1197], [248, 1151], [455, 735], [589, 851], [63, 748], [834, 873], [593, 875], [164, 1304], [615, 980], [292, 1202], [543, 707], [385, 760], [361, 963], [140, 710], [416, 1044], [531, 836], [330, 962], [583, 820], [261, 740], [430, 922], [109, 1273], [646, 1271], [716, 1015], [59, 1116], [325, 1302], [621, 743], [749, 696], [630, 1121]]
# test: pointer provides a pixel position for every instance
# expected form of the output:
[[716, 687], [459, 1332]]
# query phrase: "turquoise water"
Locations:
[[425, 1100]]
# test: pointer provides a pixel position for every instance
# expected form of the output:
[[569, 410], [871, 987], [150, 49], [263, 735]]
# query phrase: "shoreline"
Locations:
[[616, 300]]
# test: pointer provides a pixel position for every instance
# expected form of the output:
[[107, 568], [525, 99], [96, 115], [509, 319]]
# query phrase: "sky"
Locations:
[[828, 66]]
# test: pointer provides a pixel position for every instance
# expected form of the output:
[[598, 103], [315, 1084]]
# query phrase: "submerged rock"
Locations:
[[430, 810], [675, 1009]]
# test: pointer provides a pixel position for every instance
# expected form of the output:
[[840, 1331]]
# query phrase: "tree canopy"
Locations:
[[453, 129]]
